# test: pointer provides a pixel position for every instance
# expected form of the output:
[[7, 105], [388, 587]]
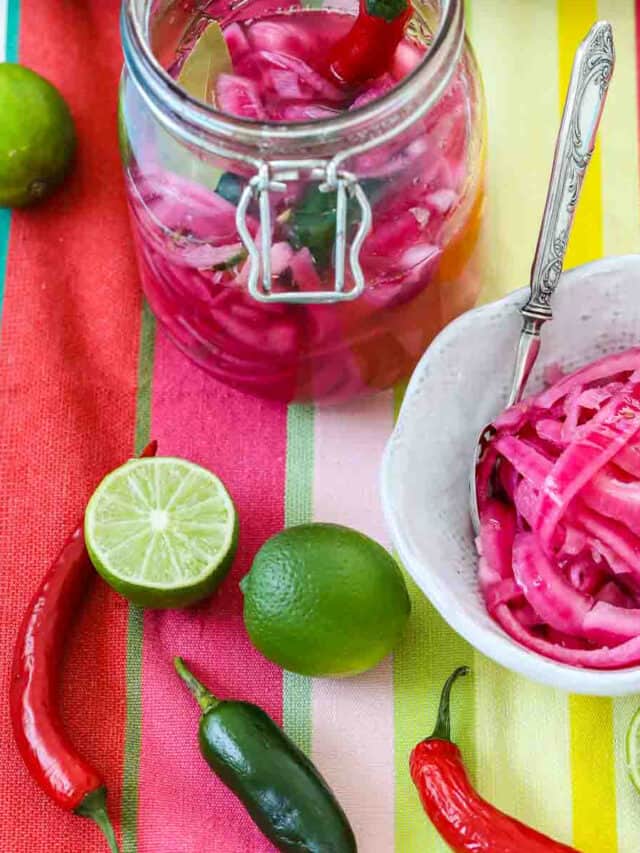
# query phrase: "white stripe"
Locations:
[[618, 137], [516, 46], [621, 234], [352, 719], [626, 795], [522, 729]]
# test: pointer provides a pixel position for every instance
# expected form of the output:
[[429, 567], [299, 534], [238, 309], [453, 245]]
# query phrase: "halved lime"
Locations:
[[633, 749], [161, 531]]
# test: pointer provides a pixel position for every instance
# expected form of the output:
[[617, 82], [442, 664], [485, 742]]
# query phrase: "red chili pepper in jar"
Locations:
[[466, 822], [49, 755], [366, 51]]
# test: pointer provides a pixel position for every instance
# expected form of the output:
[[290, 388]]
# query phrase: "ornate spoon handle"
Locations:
[[590, 77]]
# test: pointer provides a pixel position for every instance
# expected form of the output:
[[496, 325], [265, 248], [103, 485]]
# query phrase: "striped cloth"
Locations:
[[85, 377]]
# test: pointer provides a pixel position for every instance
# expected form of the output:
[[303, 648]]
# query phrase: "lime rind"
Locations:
[[632, 750], [162, 531], [37, 136], [324, 600]]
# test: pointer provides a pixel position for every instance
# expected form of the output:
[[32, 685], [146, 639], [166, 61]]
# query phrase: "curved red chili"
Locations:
[[49, 755], [367, 49], [466, 822]]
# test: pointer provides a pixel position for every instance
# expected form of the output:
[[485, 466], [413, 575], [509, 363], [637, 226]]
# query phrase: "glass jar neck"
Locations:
[[252, 142]]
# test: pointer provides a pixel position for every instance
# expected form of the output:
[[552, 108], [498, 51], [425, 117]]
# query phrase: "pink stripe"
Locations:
[[183, 807], [352, 719]]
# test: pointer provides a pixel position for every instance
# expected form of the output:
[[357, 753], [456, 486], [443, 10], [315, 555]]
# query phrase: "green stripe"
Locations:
[[398, 397], [467, 14], [133, 729], [522, 742], [13, 29], [145, 378], [5, 222], [429, 653], [296, 689], [296, 709], [298, 500]]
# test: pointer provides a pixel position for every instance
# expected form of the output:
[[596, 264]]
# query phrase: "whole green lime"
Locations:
[[37, 136], [321, 599]]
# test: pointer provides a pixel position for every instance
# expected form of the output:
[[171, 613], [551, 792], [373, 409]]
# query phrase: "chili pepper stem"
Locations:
[[94, 806], [442, 730], [151, 449], [204, 697]]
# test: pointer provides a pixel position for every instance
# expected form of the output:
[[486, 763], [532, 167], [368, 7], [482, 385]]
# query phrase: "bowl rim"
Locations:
[[497, 646]]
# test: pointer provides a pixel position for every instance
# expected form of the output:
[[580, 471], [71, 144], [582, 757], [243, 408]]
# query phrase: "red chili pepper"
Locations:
[[366, 51], [466, 822], [50, 757]]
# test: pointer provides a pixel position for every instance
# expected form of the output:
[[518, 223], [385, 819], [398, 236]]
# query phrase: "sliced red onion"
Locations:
[[550, 594], [612, 428], [559, 494]]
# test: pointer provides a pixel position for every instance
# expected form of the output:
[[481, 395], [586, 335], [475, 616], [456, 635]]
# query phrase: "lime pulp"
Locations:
[[161, 531]]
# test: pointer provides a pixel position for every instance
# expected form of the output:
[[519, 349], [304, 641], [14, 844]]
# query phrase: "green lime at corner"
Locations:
[[161, 531], [322, 599], [37, 136]]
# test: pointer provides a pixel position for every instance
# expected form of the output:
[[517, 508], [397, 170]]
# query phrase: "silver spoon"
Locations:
[[592, 69]]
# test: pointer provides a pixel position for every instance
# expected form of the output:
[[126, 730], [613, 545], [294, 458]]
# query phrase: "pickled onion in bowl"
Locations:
[[559, 498]]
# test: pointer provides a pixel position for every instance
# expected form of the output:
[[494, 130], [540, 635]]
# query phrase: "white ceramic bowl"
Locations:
[[457, 387]]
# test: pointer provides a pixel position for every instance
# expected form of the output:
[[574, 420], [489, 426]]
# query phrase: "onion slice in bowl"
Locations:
[[559, 498]]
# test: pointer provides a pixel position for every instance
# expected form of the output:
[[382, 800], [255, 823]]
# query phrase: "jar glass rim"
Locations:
[[142, 62]]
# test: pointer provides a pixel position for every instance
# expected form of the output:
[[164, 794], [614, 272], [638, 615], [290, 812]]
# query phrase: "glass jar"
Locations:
[[226, 211]]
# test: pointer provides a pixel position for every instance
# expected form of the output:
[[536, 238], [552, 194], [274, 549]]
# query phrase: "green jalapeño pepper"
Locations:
[[280, 788]]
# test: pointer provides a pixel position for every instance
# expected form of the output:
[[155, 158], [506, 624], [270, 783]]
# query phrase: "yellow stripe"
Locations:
[[592, 773], [591, 719], [574, 21]]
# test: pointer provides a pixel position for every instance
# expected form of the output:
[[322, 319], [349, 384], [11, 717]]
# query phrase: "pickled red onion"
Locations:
[[559, 499]]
